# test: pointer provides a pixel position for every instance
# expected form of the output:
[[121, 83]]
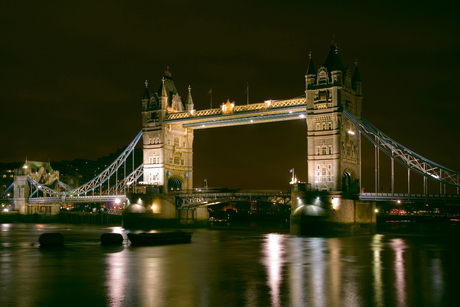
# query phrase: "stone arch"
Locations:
[[174, 184], [346, 182]]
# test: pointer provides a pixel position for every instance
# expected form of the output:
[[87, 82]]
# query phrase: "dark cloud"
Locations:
[[72, 75]]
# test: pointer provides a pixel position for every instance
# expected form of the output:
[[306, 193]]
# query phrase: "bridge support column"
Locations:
[[330, 214], [198, 216], [21, 191], [155, 210]]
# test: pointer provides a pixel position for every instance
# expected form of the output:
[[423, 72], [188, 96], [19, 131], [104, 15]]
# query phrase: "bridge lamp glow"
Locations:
[[376, 210], [335, 203], [351, 132], [302, 115]]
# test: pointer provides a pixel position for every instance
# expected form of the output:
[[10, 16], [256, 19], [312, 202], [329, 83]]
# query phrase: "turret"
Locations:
[[356, 81], [145, 97], [311, 73], [334, 65], [145, 104], [190, 105], [164, 95]]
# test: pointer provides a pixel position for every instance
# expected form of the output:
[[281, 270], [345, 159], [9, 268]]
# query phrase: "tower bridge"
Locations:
[[331, 107]]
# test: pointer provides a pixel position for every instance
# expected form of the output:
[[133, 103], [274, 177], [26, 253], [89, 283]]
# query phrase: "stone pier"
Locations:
[[321, 213], [158, 210]]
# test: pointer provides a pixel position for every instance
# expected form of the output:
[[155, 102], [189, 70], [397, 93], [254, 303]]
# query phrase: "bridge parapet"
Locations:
[[405, 196], [269, 104], [75, 199], [196, 199]]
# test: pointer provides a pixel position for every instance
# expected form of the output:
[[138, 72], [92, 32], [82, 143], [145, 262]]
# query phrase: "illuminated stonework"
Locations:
[[167, 147], [228, 107], [334, 145]]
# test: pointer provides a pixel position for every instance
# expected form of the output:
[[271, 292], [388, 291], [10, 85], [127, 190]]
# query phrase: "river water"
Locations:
[[228, 267]]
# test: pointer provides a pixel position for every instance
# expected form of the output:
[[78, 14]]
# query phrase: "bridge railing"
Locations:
[[405, 196], [269, 104], [76, 199]]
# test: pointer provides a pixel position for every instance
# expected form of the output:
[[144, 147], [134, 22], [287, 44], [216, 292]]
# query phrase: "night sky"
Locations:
[[73, 72]]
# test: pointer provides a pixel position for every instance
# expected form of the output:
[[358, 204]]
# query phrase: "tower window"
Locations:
[[154, 160]]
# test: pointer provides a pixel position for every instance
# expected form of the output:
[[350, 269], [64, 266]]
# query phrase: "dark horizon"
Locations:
[[73, 77]]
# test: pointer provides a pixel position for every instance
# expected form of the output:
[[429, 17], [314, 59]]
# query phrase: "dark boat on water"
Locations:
[[159, 238]]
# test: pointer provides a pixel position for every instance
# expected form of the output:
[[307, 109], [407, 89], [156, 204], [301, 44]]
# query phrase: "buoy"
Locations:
[[51, 239], [111, 239]]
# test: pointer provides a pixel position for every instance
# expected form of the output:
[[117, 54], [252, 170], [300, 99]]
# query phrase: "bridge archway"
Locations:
[[346, 182], [174, 184]]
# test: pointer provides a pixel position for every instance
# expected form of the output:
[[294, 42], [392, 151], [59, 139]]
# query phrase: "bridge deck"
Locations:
[[269, 111], [408, 197]]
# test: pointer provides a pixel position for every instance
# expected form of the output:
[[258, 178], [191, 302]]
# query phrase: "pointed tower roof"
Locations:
[[333, 61], [162, 90], [356, 74], [146, 91], [167, 87], [189, 98], [311, 67]]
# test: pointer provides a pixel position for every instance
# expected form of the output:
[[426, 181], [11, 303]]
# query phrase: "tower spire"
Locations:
[[146, 91], [311, 67], [190, 105]]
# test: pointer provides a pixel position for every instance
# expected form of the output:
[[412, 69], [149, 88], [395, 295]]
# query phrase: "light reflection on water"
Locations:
[[273, 251], [399, 246], [377, 247], [227, 268]]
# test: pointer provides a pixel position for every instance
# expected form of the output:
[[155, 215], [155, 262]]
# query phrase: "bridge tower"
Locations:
[[167, 148], [334, 144]]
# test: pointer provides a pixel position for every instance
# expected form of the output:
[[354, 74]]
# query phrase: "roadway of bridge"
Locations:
[[268, 111], [409, 197]]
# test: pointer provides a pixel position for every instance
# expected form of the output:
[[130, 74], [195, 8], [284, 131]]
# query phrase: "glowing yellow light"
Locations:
[[154, 208], [376, 210], [335, 203], [351, 132]]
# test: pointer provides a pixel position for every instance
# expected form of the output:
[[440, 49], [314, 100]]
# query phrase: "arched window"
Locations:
[[174, 184]]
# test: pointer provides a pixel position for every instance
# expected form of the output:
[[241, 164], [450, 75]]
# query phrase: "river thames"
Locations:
[[228, 267]]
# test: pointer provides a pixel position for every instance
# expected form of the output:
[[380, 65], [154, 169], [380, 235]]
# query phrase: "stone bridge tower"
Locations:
[[334, 144], [167, 148]]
